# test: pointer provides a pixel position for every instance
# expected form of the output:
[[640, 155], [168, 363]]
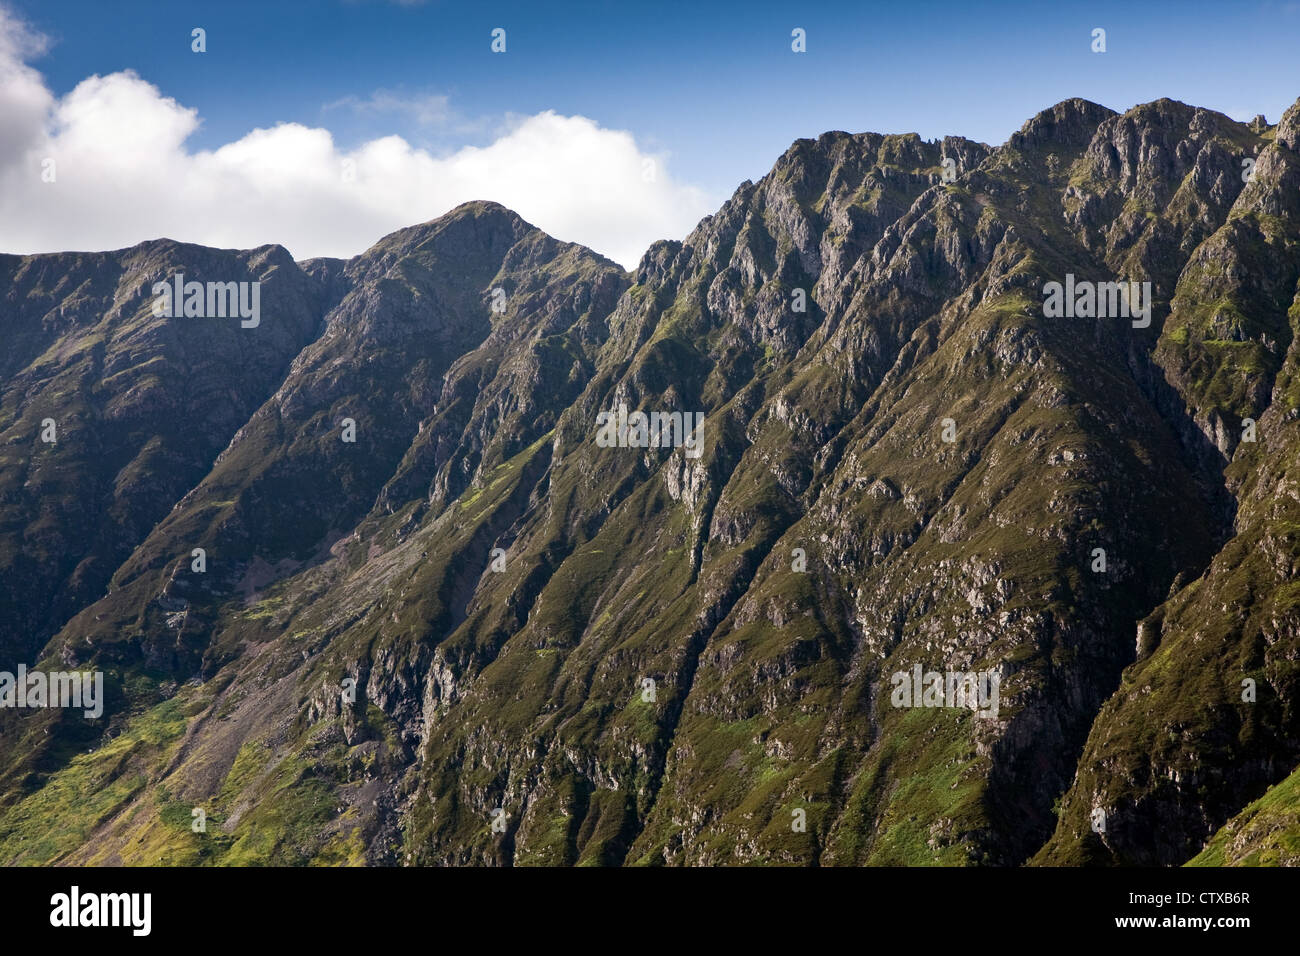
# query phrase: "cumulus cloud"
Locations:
[[25, 103], [122, 174]]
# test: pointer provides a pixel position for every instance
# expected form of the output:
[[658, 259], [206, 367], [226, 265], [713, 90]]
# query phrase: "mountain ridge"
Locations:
[[520, 688]]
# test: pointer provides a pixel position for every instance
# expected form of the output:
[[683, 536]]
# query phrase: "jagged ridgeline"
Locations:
[[812, 541]]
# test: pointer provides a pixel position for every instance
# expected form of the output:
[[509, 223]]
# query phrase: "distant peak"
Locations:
[[1069, 122], [476, 209]]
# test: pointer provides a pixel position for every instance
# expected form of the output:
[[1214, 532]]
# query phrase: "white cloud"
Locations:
[[123, 175], [24, 101]]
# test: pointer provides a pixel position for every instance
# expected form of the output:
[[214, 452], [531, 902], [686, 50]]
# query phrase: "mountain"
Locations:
[[369, 584]]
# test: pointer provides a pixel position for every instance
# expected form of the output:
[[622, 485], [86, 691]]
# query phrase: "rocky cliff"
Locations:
[[439, 622]]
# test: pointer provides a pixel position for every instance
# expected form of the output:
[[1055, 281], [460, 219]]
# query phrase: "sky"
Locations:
[[324, 125]]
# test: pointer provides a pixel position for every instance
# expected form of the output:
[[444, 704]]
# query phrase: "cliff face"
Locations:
[[475, 634], [1206, 720], [109, 415]]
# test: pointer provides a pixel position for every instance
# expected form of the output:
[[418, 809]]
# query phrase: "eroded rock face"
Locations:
[[140, 407], [477, 635]]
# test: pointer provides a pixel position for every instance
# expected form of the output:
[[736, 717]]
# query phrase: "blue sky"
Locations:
[[716, 86], [713, 89]]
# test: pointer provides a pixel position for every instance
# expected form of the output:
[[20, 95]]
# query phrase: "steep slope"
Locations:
[[418, 303], [1206, 719], [135, 408], [766, 696], [480, 635], [1266, 833], [309, 463]]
